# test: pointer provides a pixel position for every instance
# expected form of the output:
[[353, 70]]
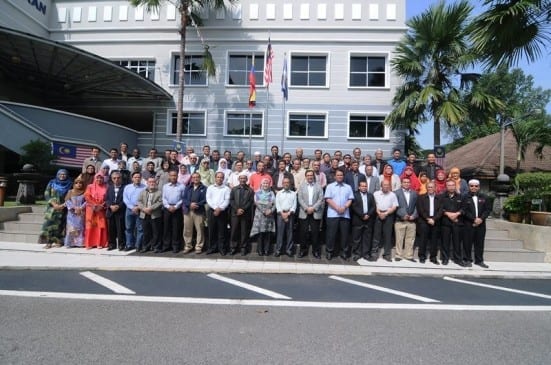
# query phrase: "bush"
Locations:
[[515, 204], [535, 185], [38, 153]]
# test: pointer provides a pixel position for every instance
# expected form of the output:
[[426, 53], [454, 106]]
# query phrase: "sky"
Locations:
[[540, 70]]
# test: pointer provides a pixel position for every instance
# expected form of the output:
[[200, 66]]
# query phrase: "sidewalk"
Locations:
[[25, 256]]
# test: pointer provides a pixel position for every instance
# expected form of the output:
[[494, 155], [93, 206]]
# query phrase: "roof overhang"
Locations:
[[61, 76]]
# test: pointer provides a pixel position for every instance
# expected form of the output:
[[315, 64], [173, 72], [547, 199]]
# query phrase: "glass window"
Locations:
[[238, 124], [367, 71], [193, 70], [193, 123], [240, 66], [307, 125], [141, 67], [308, 70], [365, 126]]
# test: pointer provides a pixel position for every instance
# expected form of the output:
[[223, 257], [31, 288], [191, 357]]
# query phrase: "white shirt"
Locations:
[[286, 200], [385, 201], [218, 196]]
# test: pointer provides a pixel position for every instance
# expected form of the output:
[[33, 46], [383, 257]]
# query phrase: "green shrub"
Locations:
[[535, 185]]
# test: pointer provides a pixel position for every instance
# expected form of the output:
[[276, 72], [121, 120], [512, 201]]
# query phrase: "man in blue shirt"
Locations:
[[134, 230], [397, 163], [339, 197]]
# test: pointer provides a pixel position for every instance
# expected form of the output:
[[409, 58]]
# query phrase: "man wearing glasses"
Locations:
[[476, 208]]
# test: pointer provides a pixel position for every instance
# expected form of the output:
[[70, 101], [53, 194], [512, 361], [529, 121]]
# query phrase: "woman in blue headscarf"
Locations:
[[54, 216]]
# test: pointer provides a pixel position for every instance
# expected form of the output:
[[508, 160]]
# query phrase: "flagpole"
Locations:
[[250, 124], [283, 128]]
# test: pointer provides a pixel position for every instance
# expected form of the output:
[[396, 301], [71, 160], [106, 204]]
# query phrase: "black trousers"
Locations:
[[341, 226], [240, 229], [217, 227], [115, 227], [284, 234], [474, 237], [429, 237], [151, 232], [309, 228], [362, 238], [172, 230], [263, 243], [451, 239], [382, 235]]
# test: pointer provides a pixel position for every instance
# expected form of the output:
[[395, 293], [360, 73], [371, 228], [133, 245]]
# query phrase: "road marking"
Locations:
[[386, 290], [109, 284], [276, 303], [250, 287], [498, 287]]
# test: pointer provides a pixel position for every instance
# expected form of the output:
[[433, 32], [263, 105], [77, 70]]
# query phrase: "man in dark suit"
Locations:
[[241, 203], [115, 212], [406, 217], [280, 174], [452, 224], [363, 217], [476, 208], [353, 177], [429, 208]]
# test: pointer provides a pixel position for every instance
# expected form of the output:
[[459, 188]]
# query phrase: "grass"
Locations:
[[12, 203]]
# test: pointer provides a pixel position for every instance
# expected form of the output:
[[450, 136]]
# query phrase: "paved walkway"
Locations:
[[33, 256]]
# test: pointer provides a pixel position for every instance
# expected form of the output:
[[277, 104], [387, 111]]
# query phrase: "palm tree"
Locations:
[[190, 11], [536, 130], [429, 59], [512, 29]]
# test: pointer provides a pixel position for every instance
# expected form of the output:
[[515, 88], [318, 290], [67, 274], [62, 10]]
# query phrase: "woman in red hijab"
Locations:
[[95, 234], [409, 173], [440, 181]]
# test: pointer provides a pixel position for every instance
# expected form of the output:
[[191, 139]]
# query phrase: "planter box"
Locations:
[[541, 218]]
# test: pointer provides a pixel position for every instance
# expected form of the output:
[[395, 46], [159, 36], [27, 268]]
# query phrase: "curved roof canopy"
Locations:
[[35, 70]]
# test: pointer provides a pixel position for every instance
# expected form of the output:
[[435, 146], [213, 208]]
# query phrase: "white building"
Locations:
[[338, 55]]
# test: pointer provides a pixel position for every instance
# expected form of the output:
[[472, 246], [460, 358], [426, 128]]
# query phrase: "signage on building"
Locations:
[[38, 5]]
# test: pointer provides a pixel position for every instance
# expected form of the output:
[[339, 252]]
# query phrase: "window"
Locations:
[[193, 123], [366, 126], [141, 67], [240, 66], [238, 124], [307, 125], [193, 70], [308, 70], [367, 71]]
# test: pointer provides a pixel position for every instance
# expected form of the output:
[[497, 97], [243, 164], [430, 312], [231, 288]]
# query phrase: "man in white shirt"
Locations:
[[218, 200], [386, 203], [112, 162], [286, 202]]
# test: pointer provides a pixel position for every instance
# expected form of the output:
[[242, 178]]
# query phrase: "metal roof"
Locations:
[[57, 75]]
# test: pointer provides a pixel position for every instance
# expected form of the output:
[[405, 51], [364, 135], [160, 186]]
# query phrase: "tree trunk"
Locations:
[[180, 102], [519, 158], [436, 131]]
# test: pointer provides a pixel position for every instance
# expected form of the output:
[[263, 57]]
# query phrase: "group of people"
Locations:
[[356, 205]]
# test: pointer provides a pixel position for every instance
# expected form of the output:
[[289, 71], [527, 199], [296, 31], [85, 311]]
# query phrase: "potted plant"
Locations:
[[537, 188], [515, 208]]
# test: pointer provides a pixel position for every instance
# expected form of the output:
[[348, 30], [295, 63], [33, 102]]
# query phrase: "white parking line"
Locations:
[[386, 290], [109, 284], [269, 293], [276, 303], [502, 288]]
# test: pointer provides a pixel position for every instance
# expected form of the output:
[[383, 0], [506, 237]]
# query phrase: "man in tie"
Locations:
[[429, 208], [353, 176], [92, 160], [476, 208], [241, 203], [406, 217], [363, 217], [286, 203], [451, 226], [311, 205], [115, 212]]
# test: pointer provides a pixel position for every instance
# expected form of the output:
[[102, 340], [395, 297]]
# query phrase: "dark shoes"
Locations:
[[435, 261], [482, 265], [329, 256], [316, 255]]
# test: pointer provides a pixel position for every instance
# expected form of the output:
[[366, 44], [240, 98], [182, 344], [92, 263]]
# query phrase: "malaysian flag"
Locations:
[[284, 86], [69, 155], [268, 66], [252, 87]]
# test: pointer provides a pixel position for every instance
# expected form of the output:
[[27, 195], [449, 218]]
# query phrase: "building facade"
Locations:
[[340, 83]]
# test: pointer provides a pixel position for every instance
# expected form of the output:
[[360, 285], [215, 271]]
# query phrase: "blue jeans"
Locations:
[[134, 229]]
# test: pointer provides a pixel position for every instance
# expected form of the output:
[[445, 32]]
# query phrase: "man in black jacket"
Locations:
[[429, 209], [476, 208], [115, 212], [363, 217], [452, 224]]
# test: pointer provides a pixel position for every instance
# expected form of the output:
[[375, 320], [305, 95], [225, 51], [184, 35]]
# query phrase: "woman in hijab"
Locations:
[[391, 177], [75, 203], [95, 234], [410, 173], [223, 168], [263, 222], [54, 216], [184, 176], [440, 181], [207, 175], [461, 184], [423, 180]]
